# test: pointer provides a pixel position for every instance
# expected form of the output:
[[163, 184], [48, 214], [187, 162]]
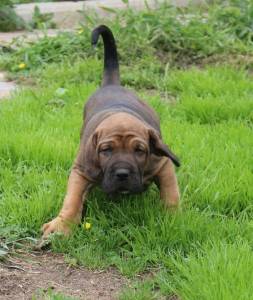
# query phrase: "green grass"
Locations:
[[39, 138], [203, 252], [226, 273]]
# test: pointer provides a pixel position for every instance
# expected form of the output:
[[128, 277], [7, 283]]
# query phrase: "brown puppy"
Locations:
[[121, 147]]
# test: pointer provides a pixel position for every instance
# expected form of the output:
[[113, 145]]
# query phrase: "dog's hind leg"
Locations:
[[71, 211], [167, 182]]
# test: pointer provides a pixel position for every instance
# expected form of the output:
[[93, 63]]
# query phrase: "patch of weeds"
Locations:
[[9, 20], [13, 238], [41, 20], [236, 18], [48, 50], [176, 36]]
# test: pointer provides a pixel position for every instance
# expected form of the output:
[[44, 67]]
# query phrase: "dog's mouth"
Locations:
[[124, 191], [113, 188]]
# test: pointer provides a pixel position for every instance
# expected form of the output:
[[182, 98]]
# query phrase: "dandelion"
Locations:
[[22, 66], [80, 31], [87, 225]]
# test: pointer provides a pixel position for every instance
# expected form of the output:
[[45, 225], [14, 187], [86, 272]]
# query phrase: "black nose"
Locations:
[[122, 174]]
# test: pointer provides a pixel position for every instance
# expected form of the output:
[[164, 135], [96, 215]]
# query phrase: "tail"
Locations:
[[111, 65]]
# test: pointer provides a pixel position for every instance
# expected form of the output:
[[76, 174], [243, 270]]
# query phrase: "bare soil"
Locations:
[[31, 274]]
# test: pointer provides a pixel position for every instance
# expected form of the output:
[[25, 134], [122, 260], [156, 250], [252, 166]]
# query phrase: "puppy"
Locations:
[[121, 147]]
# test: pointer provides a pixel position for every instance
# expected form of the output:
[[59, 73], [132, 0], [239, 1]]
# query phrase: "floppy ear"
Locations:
[[87, 158], [91, 162], [158, 148]]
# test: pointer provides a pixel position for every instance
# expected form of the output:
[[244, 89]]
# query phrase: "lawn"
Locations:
[[206, 112]]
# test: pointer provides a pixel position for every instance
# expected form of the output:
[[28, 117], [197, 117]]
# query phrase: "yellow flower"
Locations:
[[22, 66], [80, 31], [87, 225]]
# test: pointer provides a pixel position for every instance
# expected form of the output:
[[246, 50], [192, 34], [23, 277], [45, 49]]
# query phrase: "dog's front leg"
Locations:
[[167, 182], [71, 211]]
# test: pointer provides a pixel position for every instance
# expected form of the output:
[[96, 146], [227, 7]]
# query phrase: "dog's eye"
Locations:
[[105, 151], [139, 151]]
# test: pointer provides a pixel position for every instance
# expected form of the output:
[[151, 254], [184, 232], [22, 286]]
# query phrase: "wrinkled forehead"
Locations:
[[122, 127], [119, 139]]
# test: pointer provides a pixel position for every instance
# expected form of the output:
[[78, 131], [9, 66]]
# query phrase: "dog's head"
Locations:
[[121, 150]]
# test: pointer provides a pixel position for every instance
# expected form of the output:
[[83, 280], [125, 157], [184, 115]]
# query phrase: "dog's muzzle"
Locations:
[[123, 178]]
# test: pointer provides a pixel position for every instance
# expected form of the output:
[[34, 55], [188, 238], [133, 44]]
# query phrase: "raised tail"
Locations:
[[111, 64]]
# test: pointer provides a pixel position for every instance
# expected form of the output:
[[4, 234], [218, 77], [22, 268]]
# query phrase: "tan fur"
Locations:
[[167, 180], [71, 211]]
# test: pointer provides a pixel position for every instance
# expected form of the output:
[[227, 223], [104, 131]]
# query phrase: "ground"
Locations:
[[35, 273]]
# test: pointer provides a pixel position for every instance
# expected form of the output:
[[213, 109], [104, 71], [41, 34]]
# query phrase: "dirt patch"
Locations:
[[31, 274]]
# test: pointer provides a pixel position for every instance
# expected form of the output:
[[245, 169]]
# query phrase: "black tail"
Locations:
[[111, 65]]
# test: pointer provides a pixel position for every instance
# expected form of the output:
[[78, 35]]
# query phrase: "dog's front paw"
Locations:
[[56, 225]]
